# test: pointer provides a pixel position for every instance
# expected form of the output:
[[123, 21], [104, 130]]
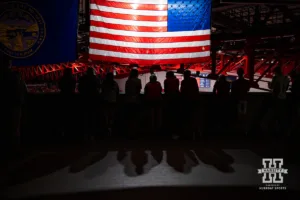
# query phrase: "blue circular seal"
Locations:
[[22, 29]]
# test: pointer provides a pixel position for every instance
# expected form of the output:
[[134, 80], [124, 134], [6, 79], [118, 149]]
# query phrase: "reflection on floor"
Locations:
[[76, 171]]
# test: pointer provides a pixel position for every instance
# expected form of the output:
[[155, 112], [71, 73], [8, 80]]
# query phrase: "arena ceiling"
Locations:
[[272, 31], [272, 27]]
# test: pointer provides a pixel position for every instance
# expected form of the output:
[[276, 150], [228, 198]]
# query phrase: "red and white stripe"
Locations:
[[135, 31]]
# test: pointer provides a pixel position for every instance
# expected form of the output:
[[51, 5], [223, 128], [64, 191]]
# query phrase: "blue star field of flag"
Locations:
[[189, 15]]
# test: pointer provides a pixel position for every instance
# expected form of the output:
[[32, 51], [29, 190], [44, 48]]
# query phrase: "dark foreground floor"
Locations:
[[177, 193], [113, 169]]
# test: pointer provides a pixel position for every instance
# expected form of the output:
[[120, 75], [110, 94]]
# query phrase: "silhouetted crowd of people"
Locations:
[[14, 92], [185, 97]]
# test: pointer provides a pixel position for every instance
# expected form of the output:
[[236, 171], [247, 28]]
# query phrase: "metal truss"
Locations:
[[268, 15], [40, 70], [225, 65]]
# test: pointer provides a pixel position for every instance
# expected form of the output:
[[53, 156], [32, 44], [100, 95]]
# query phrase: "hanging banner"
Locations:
[[36, 32]]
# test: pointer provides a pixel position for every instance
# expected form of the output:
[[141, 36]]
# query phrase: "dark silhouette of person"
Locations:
[[67, 86], [133, 87], [153, 97], [296, 88], [14, 95], [189, 88], [152, 71], [67, 83], [110, 93], [295, 105], [89, 87], [221, 92], [181, 69], [171, 85], [239, 91], [222, 88], [279, 84], [171, 89], [189, 95], [279, 87]]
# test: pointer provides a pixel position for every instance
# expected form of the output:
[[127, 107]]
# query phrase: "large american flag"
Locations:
[[150, 32]]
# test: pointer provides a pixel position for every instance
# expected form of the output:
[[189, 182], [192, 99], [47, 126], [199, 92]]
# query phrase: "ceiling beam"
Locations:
[[226, 21], [267, 17], [223, 8], [278, 30], [257, 2], [288, 13]]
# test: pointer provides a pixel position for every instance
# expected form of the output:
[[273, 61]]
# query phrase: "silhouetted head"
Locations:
[[109, 76], [182, 66], [222, 78], [134, 73], [197, 73], [277, 70], [90, 71], [240, 72], [153, 78], [170, 74], [151, 70], [187, 74], [67, 72], [134, 66]]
